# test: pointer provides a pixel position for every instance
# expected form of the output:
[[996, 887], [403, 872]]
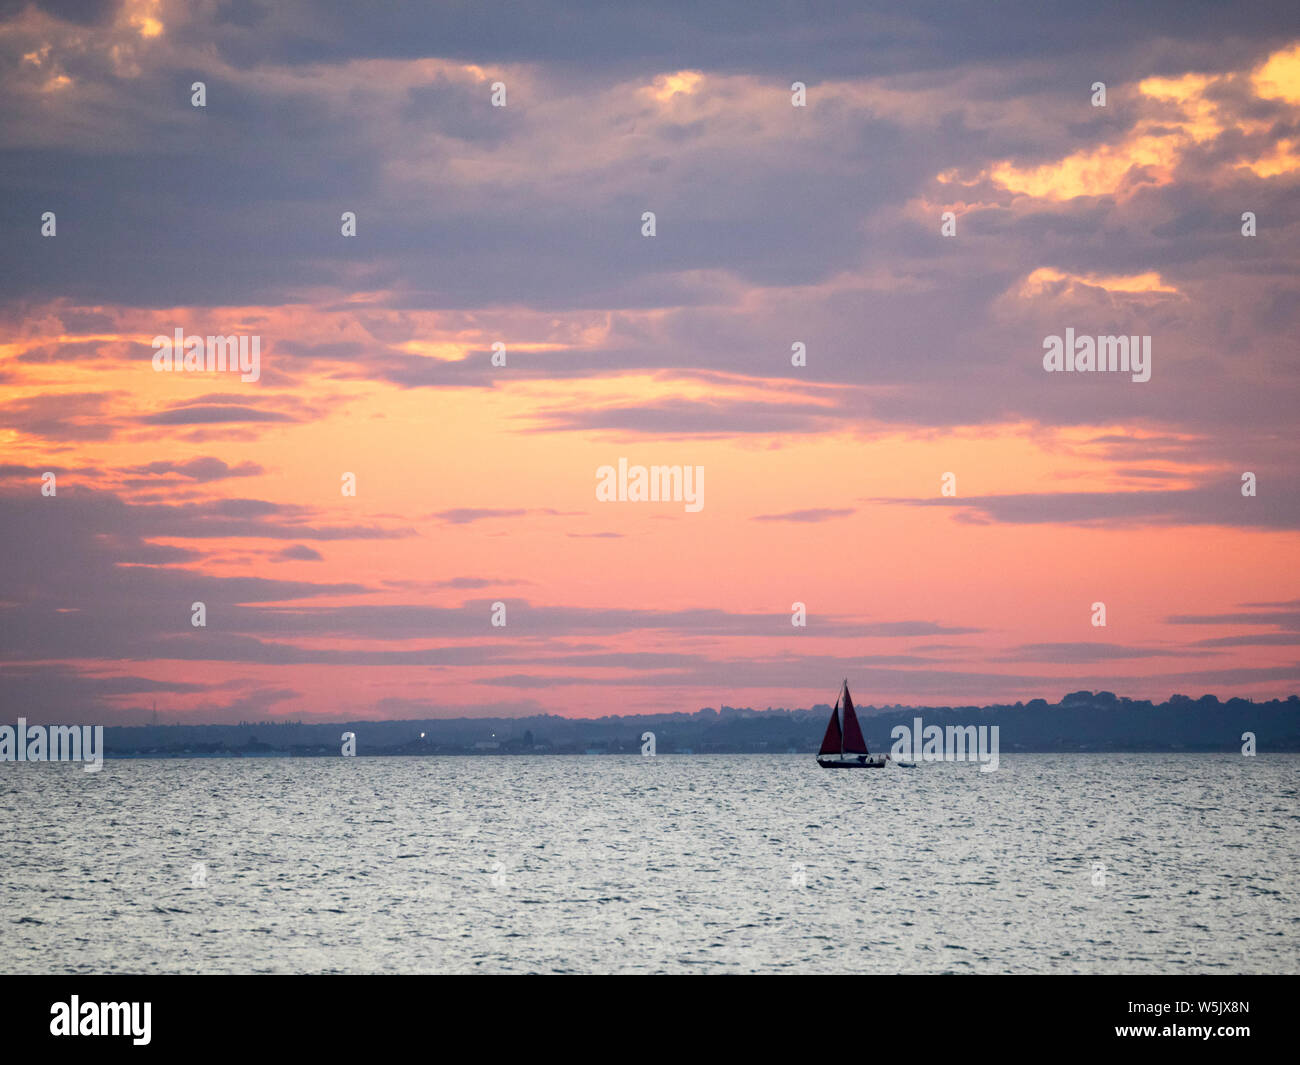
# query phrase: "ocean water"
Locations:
[[736, 863]]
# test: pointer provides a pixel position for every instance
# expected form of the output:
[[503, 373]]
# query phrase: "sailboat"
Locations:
[[845, 748]]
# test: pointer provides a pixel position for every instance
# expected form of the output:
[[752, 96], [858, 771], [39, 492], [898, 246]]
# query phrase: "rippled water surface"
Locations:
[[1054, 863]]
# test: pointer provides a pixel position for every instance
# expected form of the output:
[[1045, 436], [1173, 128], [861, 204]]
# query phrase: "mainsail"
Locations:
[[832, 743], [844, 743], [853, 741]]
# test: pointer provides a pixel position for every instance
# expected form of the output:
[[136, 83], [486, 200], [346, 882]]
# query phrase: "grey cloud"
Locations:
[[811, 514], [1080, 652], [1221, 504], [203, 469], [62, 417], [300, 553], [468, 515], [213, 415]]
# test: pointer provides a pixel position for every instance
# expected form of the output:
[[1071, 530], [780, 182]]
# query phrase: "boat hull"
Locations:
[[870, 762]]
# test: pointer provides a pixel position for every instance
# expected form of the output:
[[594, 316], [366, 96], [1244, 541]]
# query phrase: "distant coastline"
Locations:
[[1081, 722]]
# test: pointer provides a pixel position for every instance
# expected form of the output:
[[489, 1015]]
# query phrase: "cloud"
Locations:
[[777, 226], [1277, 615], [213, 415], [66, 695], [1080, 652], [812, 514], [204, 470], [469, 515], [300, 553], [1211, 504], [692, 418], [62, 417]]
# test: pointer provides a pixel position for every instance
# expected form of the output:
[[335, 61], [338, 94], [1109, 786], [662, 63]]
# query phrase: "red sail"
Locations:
[[831, 741], [853, 741]]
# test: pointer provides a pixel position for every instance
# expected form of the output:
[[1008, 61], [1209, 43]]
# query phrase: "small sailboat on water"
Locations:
[[844, 747]]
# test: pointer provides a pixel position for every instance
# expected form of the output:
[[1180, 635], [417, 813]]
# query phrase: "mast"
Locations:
[[844, 691]]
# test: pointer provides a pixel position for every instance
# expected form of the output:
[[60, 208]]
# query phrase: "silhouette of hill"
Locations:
[[1081, 721]]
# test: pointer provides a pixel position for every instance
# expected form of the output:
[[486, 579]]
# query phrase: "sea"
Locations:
[[1053, 863]]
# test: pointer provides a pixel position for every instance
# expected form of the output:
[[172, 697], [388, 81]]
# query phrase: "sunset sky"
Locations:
[[522, 224]]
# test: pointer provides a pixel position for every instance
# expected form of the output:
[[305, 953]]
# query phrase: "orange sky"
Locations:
[[476, 483]]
